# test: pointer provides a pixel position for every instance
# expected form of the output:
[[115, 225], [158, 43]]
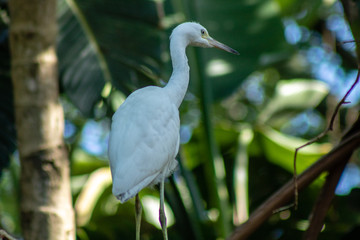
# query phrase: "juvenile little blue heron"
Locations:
[[144, 136]]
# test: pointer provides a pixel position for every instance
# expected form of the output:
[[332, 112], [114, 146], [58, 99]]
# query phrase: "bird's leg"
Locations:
[[162, 216], [138, 211]]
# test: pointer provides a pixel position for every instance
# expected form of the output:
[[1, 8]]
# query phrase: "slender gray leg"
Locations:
[[162, 215], [138, 211]]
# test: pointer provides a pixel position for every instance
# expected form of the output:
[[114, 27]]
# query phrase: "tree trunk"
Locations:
[[46, 206]]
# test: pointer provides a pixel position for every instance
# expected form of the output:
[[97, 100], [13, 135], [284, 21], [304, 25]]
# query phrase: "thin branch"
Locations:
[[348, 41], [321, 135], [284, 194], [324, 200]]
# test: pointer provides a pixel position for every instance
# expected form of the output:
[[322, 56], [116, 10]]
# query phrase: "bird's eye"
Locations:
[[202, 31]]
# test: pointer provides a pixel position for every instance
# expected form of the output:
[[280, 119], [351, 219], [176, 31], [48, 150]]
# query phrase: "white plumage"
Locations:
[[144, 141], [144, 137]]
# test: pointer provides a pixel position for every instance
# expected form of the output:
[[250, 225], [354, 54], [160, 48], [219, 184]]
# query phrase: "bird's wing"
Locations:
[[143, 139]]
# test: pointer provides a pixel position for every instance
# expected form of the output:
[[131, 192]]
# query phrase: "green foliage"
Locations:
[[237, 146], [118, 42], [10, 199], [243, 25], [279, 149], [292, 97]]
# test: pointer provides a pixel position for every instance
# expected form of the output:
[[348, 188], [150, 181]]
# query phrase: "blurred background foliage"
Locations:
[[241, 120]]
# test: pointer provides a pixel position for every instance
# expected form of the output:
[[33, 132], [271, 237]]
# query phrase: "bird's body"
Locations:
[[144, 137], [149, 141]]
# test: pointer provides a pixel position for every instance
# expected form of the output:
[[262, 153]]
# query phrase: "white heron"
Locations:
[[144, 137]]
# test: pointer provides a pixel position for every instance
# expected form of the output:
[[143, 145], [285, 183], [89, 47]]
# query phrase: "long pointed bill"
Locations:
[[221, 46]]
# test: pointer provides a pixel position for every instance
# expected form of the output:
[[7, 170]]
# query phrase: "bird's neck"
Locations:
[[179, 80]]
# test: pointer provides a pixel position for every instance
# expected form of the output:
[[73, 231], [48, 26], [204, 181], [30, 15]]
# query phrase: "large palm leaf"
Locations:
[[119, 42]]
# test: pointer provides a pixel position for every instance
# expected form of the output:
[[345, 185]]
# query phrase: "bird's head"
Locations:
[[196, 35]]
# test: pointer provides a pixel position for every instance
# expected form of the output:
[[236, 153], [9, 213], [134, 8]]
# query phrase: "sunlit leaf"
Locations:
[[280, 149], [292, 97], [151, 210], [96, 184]]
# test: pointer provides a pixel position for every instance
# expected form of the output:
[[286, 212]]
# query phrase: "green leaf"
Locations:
[[94, 187], [81, 76], [151, 211], [84, 163], [291, 97], [117, 42], [280, 148], [10, 199]]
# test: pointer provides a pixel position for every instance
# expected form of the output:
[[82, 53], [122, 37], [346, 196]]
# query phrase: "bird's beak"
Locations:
[[221, 46]]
